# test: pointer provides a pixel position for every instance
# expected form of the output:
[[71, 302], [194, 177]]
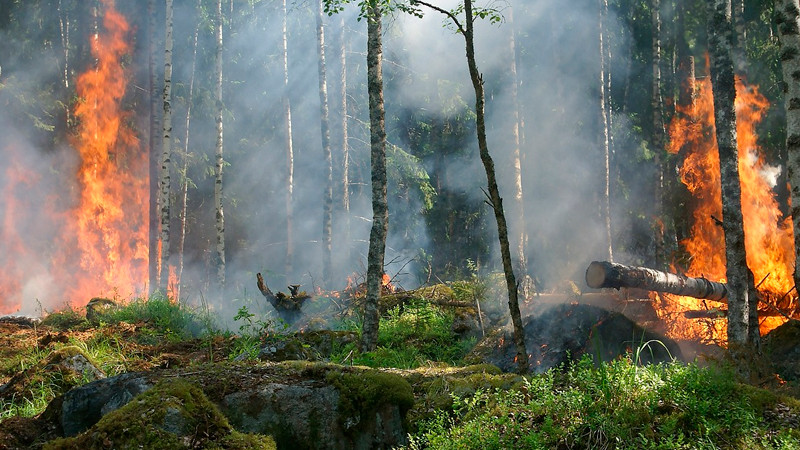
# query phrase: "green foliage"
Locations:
[[252, 333], [411, 336], [163, 318], [65, 319], [615, 405]]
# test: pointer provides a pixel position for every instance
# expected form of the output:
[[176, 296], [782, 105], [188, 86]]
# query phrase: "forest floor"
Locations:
[[618, 404]]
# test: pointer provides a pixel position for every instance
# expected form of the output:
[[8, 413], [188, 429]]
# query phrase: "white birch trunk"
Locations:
[[166, 154], [788, 18], [219, 162]]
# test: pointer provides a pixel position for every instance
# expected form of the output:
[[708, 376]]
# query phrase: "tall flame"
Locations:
[[768, 235], [100, 242]]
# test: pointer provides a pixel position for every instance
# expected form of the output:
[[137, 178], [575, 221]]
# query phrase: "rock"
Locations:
[[86, 405], [301, 404], [96, 307], [782, 347], [173, 414], [565, 332], [362, 409]]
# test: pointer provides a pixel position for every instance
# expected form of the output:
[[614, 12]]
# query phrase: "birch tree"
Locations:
[[185, 169], [742, 299], [219, 161], [604, 136], [166, 152], [287, 118], [327, 197], [154, 254], [380, 210], [788, 19]]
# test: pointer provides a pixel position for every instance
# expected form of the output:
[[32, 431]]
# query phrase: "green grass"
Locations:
[[410, 337], [618, 405]]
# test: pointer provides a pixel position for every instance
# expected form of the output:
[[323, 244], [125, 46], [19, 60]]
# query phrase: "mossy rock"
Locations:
[[362, 393], [174, 414]]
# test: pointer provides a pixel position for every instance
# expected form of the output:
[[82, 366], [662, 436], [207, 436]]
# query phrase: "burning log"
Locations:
[[604, 274]]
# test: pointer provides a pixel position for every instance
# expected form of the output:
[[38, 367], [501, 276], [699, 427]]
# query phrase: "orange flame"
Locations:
[[100, 246], [110, 231], [768, 235]]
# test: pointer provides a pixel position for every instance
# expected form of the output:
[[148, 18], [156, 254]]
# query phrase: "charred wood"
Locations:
[[604, 274], [288, 306]]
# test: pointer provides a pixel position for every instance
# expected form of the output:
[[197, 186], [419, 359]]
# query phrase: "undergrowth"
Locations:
[[617, 405], [408, 337]]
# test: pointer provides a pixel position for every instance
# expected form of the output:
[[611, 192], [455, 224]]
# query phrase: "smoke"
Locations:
[[425, 75]]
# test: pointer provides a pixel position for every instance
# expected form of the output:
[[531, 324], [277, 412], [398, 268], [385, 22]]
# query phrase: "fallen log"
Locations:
[[604, 274]]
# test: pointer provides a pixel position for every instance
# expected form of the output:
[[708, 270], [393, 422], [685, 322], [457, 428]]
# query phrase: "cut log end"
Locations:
[[596, 275]]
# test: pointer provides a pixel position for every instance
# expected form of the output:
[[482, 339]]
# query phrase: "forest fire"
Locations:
[[768, 235], [99, 246]]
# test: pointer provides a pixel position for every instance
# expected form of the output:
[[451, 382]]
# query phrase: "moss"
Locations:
[[362, 393], [174, 414]]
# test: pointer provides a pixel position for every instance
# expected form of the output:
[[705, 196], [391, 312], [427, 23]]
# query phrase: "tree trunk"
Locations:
[[327, 196], [656, 104], [606, 201], [166, 153], [380, 212], [185, 169], [494, 192], [345, 144], [220, 217], [496, 202], [742, 329], [519, 200], [740, 37], [679, 194], [604, 274], [788, 18], [287, 116], [154, 261]]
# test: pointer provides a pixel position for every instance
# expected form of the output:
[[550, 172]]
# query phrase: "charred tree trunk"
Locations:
[[380, 211], [604, 274]]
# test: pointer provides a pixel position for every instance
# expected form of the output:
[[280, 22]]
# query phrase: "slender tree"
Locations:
[[527, 284], [220, 217], [788, 18], [380, 210], [185, 169], [742, 300], [287, 118], [659, 133], [344, 133], [154, 261], [327, 197], [604, 136], [166, 153], [495, 201]]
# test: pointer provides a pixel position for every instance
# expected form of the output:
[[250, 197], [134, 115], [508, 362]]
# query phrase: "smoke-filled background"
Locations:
[[440, 226]]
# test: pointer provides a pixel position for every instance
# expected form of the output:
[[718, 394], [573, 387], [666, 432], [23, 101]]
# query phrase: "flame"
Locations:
[[99, 220], [768, 235]]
